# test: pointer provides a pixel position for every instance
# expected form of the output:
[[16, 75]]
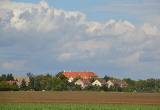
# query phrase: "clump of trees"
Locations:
[[5, 86], [142, 85], [60, 83]]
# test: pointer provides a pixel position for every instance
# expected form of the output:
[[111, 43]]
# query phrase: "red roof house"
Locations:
[[11, 82], [19, 83], [84, 75], [99, 82], [120, 83], [83, 82]]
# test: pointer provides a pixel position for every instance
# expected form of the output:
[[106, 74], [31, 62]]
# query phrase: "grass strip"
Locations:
[[49, 106]]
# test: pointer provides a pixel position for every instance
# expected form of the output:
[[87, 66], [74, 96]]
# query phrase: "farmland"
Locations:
[[80, 98]]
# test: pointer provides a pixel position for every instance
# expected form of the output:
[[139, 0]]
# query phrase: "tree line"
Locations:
[[5, 86], [59, 82]]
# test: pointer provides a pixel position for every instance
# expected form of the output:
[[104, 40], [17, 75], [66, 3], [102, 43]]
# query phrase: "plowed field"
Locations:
[[80, 98]]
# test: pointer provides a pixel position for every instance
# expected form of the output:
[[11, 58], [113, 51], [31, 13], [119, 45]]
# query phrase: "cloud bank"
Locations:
[[41, 39]]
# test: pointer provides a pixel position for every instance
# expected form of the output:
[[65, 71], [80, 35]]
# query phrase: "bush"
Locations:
[[4, 86]]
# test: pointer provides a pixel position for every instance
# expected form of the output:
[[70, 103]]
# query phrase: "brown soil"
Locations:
[[80, 98]]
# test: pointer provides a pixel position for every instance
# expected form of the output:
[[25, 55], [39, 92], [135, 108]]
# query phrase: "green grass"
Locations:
[[47, 106]]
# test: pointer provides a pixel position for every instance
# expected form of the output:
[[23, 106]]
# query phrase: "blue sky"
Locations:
[[119, 38]]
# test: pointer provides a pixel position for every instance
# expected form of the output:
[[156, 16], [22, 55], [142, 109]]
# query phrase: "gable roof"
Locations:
[[19, 83], [119, 82], [103, 82], [83, 75], [20, 78], [11, 82], [123, 83], [84, 81]]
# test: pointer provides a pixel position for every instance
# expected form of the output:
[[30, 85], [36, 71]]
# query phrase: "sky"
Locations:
[[118, 38]]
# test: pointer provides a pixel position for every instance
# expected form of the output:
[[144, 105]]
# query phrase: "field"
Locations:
[[75, 99], [50, 106]]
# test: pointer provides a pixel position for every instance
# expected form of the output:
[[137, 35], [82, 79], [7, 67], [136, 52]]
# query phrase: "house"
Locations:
[[123, 83], [12, 82], [83, 82], [20, 78], [120, 83], [100, 82], [84, 75]]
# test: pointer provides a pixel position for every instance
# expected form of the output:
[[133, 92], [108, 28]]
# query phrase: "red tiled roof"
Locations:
[[19, 83], [11, 82], [83, 75]]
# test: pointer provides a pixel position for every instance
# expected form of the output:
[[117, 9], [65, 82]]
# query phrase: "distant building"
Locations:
[[120, 83], [99, 82], [84, 75], [12, 82], [83, 83], [20, 78]]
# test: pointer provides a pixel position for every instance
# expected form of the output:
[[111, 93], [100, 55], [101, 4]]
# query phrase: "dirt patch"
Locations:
[[80, 98]]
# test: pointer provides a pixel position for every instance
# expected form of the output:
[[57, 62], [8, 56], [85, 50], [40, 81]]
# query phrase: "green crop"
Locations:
[[47, 106]]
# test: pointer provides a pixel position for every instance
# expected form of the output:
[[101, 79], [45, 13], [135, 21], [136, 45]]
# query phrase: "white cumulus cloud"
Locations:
[[14, 65], [39, 37]]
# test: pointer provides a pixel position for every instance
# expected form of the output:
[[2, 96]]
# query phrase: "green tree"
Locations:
[[37, 84], [14, 87], [4, 86], [90, 88], [129, 89], [140, 85], [48, 75], [151, 83], [77, 88], [46, 82], [107, 78], [62, 86], [60, 83], [111, 88], [119, 89], [104, 88], [129, 81], [71, 86], [62, 77], [157, 87], [56, 81], [91, 80], [9, 77], [30, 75], [23, 85], [3, 77], [76, 78], [59, 73], [31, 84], [31, 81]]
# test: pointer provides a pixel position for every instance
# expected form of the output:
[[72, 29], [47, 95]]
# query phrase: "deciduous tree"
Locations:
[[4, 86]]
